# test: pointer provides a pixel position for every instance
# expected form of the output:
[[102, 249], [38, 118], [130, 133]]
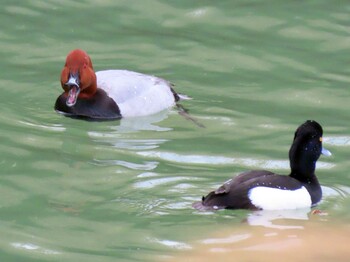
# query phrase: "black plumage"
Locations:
[[303, 154]]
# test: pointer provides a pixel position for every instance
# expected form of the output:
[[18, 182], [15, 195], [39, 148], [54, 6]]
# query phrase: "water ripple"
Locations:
[[18, 10], [151, 183], [170, 243], [131, 144], [147, 165], [337, 141], [54, 127], [221, 160], [226, 240], [33, 247]]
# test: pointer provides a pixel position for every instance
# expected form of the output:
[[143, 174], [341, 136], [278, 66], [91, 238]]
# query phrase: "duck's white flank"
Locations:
[[136, 94], [277, 199]]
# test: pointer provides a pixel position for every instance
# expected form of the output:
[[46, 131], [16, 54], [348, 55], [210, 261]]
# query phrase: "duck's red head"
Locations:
[[78, 78]]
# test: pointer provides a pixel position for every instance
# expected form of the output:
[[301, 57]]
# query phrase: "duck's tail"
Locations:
[[201, 207], [184, 97]]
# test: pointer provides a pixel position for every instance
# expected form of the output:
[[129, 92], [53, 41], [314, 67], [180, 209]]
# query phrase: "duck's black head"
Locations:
[[306, 149]]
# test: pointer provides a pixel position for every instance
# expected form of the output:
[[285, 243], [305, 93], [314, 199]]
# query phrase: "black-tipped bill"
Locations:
[[73, 83], [326, 152]]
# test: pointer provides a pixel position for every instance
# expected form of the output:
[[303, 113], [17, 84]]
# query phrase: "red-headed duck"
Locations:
[[110, 94]]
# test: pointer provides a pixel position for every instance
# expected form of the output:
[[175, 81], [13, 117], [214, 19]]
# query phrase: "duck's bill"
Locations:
[[73, 80], [326, 152], [74, 88], [72, 96]]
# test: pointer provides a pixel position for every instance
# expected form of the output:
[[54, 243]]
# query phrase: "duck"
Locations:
[[110, 94], [265, 190]]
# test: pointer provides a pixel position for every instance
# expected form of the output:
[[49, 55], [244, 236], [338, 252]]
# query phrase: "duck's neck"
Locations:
[[303, 170], [303, 157], [89, 91]]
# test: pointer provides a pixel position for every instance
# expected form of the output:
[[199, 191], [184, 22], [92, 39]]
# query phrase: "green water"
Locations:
[[72, 190]]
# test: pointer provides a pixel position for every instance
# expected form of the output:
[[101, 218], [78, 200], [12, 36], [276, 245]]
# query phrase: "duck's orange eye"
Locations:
[[321, 139]]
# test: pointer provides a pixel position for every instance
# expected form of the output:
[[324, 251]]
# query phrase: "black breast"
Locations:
[[99, 107]]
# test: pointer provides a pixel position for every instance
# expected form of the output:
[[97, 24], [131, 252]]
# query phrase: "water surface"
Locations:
[[122, 191]]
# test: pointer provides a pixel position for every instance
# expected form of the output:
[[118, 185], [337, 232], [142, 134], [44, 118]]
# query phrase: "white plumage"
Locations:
[[136, 94], [269, 198]]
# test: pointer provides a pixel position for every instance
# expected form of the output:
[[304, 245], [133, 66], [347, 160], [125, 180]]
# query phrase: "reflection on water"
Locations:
[[299, 236], [143, 123], [268, 218]]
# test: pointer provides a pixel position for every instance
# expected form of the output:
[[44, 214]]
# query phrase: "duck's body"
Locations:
[[110, 94], [137, 94], [260, 189]]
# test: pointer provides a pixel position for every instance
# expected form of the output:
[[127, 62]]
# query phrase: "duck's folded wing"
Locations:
[[234, 194]]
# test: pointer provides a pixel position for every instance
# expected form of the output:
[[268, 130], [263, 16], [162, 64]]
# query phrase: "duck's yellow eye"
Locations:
[[321, 139]]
